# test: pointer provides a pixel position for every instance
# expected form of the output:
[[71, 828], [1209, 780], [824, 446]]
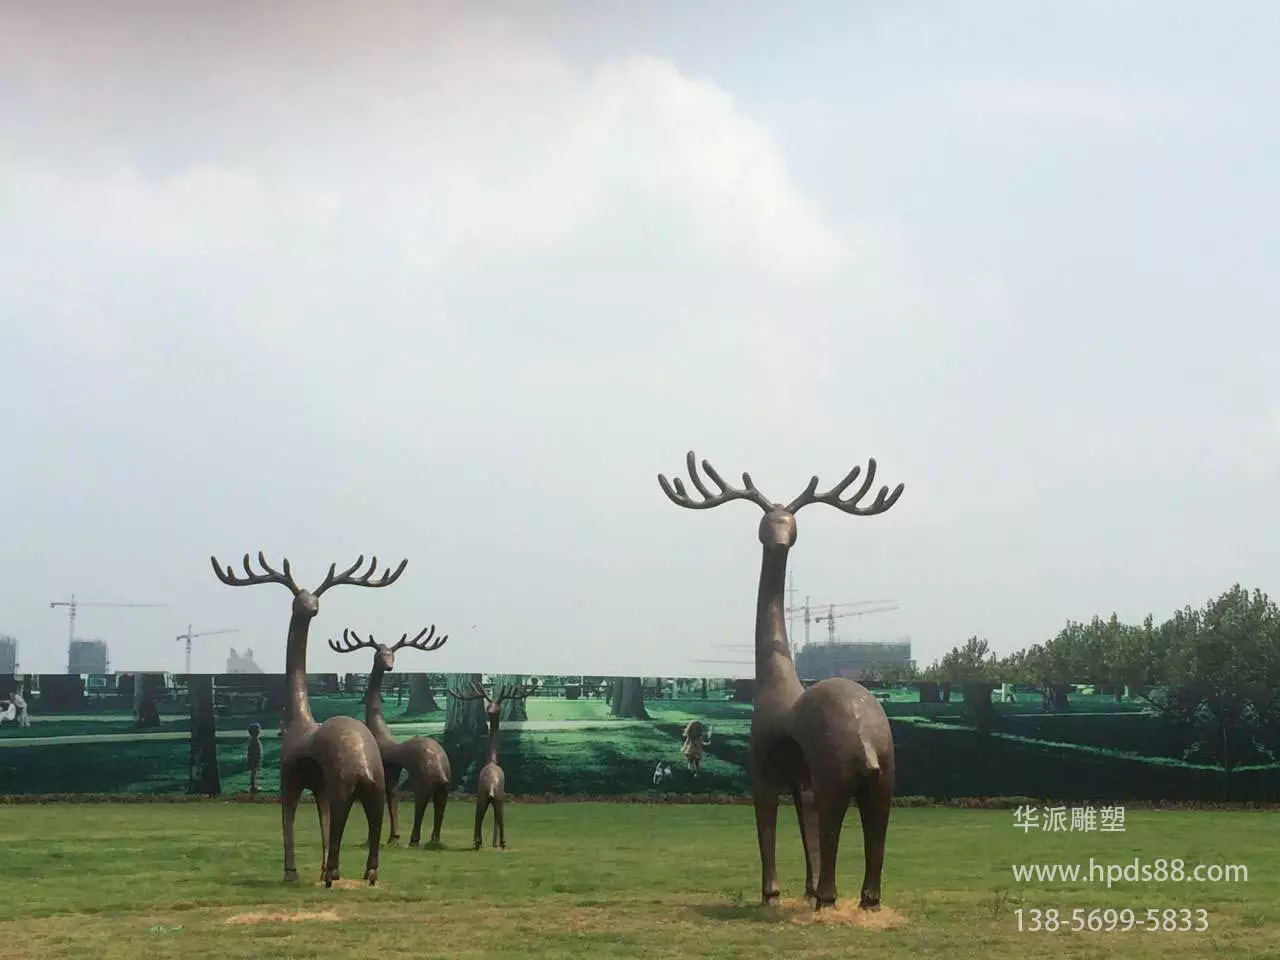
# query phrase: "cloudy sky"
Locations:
[[454, 282]]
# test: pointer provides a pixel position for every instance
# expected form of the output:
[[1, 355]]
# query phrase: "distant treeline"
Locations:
[[1212, 672]]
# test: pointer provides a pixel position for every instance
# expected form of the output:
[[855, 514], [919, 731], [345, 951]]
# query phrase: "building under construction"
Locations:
[[856, 660], [87, 656]]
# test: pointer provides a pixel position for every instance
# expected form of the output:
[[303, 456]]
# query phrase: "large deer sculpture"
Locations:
[[421, 757], [827, 746], [338, 760], [491, 782]]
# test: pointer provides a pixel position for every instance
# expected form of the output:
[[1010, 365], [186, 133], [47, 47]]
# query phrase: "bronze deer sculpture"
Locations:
[[423, 758], [828, 745], [491, 782], [338, 760]]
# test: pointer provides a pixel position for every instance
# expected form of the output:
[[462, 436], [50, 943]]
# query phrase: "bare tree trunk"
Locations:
[[421, 698], [204, 737], [978, 709], [628, 698], [465, 717]]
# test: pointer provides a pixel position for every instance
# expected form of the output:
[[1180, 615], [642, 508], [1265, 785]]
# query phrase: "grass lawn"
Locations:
[[202, 880]]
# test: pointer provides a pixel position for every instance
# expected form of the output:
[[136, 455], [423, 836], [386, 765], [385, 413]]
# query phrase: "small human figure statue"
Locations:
[[20, 705], [255, 756], [696, 736]]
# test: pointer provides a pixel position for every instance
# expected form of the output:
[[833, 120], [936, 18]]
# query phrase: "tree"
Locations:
[[465, 717], [628, 698], [1223, 671], [1134, 657], [421, 697], [974, 668], [204, 737]]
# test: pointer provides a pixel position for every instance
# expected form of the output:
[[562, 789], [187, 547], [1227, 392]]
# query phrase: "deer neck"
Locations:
[[777, 684], [298, 705], [491, 750], [373, 718]]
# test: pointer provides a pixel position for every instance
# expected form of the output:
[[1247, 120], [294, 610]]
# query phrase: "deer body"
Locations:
[[491, 782], [421, 757], [338, 760], [827, 746]]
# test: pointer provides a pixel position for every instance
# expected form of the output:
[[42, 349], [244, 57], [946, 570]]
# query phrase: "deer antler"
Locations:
[[418, 643], [883, 501], [477, 693], [271, 576], [681, 498], [517, 692], [333, 579], [349, 645]]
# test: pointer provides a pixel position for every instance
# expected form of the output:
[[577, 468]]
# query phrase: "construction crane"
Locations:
[[73, 604], [832, 616], [189, 636], [829, 618]]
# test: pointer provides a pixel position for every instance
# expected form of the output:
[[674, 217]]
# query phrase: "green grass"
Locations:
[[592, 880]]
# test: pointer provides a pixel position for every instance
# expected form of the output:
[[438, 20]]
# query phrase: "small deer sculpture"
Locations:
[[491, 782], [423, 758], [828, 745], [338, 760]]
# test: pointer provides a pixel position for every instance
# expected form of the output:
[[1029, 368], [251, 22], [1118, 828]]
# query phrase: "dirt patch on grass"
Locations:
[[300, 916], [844, 913]]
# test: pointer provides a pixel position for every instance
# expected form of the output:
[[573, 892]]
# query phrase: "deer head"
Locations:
[[493, 705], [385, 656], [778, 526], [306, 603]]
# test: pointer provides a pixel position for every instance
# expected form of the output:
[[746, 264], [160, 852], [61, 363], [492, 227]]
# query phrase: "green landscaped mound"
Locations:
[[195, 881]]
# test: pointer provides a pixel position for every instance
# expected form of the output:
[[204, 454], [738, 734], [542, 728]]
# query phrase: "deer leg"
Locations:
[[874, 804], [393, 804], [373, 813], [482, 804], [322, 809], [340, 801], [766, 805], [831, 811], [290, 792], [499, 827], [441, 799], [420, 800], [807, 814]]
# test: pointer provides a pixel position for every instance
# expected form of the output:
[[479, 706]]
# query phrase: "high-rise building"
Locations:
[[87, 656], [8, 656]]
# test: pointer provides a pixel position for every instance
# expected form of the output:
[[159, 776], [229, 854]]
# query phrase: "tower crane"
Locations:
[[73, 605], [831, 616], [189, 636]]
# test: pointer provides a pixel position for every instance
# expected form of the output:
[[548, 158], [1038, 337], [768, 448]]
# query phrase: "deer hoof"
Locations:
[[372, 877], [869, 904], [290, 876], [771, 899], [821, 904]]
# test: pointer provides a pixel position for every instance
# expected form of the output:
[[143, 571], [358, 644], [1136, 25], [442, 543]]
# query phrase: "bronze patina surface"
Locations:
[[491, 782], [338, 760], [421, 757], [827, 746]]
